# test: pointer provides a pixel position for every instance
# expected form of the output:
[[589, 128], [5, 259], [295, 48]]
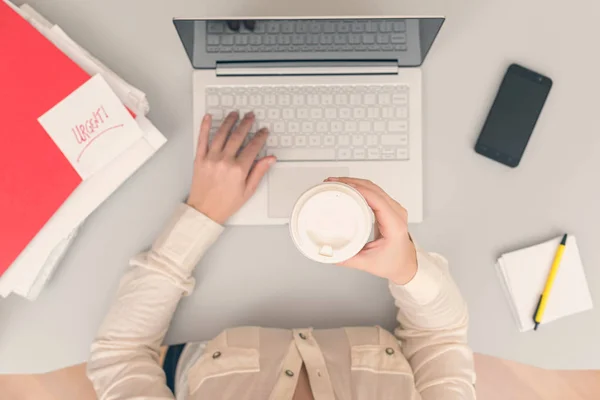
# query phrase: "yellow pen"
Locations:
[[541, 307]]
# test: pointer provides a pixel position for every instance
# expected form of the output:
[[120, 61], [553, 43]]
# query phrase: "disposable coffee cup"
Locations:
[[331, 223]]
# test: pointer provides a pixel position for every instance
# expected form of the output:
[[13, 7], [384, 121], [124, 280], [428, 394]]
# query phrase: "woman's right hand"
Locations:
[[225, 177], [392, 255]]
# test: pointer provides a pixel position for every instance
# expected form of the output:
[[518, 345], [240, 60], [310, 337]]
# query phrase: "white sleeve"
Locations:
[[124, 361], [433, 320]]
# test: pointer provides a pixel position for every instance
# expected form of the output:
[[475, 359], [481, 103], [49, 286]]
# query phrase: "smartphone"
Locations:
[[513, 115]]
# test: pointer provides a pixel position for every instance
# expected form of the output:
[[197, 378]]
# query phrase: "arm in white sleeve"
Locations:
[[124, 361], [433, 320]]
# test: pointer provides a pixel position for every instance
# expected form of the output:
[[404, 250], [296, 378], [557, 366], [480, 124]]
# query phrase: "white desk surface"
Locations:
[[475, 209]]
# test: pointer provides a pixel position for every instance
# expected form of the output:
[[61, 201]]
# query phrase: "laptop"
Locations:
[[340, 97]]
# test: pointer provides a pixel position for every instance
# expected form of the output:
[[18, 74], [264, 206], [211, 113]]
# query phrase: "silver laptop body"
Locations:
[[340, 96]]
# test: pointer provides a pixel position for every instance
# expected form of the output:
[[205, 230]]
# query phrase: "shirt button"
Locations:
[[289, 373], [302, 336], [389, 351], [216, 354]]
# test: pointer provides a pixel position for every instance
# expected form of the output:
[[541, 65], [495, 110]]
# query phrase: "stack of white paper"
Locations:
[[30, 272], [524, 274]]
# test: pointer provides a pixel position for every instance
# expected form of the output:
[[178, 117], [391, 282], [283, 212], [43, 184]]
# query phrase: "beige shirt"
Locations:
[[428, 358]]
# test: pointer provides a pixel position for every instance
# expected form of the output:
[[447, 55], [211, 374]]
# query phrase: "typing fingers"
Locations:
[[250, 152], [237, 137], [220, 138], [202, 147]]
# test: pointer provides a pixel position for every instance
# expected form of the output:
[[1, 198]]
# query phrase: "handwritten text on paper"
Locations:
[[91, 126], [94, 127]]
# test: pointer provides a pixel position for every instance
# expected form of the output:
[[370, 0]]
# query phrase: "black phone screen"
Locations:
[[513, 115]]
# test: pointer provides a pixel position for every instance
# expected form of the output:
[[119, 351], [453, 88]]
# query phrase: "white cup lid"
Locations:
[[331, 223]]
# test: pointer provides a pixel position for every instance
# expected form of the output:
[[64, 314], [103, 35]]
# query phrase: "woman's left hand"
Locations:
[[392, 255], [225, 177]]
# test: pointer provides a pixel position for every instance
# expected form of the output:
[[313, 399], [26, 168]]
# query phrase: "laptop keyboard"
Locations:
[[322, 122], [309, 36]]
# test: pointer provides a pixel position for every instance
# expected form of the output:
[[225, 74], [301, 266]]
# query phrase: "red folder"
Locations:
[[35, 177]]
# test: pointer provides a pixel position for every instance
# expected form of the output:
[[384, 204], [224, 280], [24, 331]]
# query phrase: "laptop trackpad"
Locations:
[[287, 184]]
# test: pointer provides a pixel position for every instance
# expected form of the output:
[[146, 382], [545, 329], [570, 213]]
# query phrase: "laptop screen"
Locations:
[[405, 40]]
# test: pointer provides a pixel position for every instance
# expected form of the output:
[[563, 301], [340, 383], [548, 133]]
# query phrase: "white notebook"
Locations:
[[524, 273]]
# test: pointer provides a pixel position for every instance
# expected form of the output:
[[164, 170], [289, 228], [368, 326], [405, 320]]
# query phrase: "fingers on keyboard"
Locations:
[[322, 122]]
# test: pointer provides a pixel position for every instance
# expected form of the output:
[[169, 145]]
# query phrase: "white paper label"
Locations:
[[91, 126]]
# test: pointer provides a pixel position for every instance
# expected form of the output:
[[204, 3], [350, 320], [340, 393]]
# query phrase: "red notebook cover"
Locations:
[[35, 177]]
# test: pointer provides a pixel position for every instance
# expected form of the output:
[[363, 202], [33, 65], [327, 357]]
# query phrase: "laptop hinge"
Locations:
[[307, 68]]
